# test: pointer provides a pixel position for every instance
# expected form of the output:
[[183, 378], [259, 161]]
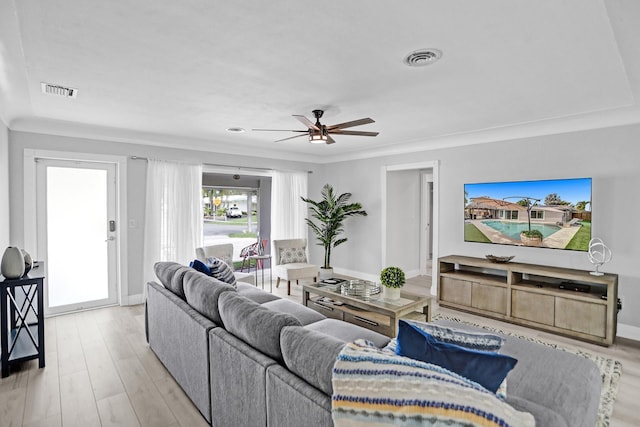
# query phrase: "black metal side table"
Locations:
[[22, 322]]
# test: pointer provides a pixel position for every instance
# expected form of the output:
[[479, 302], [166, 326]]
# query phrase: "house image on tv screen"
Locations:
[[550, 214]]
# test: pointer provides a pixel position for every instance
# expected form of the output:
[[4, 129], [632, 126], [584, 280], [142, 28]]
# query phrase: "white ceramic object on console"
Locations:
[[391, 293], [12, 266], [599, 253]]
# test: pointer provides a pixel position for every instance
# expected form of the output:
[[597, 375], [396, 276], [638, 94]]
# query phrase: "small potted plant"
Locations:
[[392, 278], [531, 237]]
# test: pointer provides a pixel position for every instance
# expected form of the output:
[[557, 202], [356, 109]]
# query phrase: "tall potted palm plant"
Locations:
[[329, 214]]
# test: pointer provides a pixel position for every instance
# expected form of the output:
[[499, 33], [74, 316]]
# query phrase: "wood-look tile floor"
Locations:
[[101, 372]]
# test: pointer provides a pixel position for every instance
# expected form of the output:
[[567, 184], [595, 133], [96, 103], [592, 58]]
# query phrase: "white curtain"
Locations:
[[288, 211], [173, 216]]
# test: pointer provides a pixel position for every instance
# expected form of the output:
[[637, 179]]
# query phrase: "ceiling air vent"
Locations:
[[420, 58], [66, 92]]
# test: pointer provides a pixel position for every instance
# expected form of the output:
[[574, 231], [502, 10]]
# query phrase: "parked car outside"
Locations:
[[234, 212]]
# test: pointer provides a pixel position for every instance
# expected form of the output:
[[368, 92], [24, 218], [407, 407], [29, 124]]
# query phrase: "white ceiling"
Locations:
[[179, 73]]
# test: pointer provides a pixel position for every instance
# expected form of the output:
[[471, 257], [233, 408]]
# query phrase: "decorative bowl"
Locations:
[[360, 288], [499, 259]]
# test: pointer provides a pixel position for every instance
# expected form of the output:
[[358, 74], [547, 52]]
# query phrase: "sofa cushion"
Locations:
[[255, 294], [254, 324], [305, 315], [347, 332], [202, 292], [544, 416], [170, 275], [486, 368], [310, 355]]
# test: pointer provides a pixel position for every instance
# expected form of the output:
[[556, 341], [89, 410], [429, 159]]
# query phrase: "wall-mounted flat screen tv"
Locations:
[[545, 213]]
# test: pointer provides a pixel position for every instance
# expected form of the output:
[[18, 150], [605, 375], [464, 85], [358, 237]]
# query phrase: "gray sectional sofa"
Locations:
[[246, 357]]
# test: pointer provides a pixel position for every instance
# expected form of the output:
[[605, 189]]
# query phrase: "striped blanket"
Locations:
[[372, 388]]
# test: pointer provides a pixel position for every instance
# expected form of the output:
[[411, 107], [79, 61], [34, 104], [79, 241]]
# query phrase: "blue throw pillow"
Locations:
[[485, 368], [200, 266]]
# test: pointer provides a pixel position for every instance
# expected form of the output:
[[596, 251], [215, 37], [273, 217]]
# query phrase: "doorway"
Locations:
[[77, 231], [413, 238]]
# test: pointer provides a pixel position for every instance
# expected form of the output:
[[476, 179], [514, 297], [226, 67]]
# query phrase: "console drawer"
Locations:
[[585, 317], [367, 323], [490, 298], [532, 306], [455, 291], [328, 310]]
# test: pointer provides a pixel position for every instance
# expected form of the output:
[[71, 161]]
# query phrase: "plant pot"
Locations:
[[530, 241], [392, 293], [12, 266], [326, 273]]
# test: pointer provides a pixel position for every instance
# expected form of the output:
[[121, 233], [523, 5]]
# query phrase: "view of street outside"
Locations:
[[222, 231], [230, 216]]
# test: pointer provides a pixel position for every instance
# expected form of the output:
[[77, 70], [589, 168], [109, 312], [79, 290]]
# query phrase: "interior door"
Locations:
[[76, 204]]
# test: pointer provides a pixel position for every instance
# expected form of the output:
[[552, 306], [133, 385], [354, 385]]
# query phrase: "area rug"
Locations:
[[610, 369]]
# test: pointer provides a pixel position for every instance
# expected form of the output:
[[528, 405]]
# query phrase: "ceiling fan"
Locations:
[[319, 133]]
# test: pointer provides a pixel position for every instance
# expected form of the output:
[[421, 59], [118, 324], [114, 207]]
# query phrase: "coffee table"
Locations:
[[376, 313]]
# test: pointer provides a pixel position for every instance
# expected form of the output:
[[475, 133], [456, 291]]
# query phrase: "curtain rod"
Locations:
[[221, 166]]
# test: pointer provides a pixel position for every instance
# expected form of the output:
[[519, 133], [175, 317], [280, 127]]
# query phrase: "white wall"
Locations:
[[403, 220], [4, 188], [610, 156], [136, 181]]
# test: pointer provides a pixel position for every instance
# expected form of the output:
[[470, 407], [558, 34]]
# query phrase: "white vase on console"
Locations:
[[12, 266]]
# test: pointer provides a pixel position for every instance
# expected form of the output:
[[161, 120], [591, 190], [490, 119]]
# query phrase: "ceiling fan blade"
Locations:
[[279, 130], [351, 124], [291, 137], [330, 140], [308, 123], [353, 132]]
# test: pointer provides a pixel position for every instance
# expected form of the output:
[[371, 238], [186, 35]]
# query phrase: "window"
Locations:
[[537, 214]]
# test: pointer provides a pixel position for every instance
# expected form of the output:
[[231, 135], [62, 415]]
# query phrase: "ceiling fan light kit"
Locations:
[[319, 133]]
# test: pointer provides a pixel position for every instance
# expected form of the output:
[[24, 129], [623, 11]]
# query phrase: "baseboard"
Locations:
[[133, 300], [629, 332], [411, 273]]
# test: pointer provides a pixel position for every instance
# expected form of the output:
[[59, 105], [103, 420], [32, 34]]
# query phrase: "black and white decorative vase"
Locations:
[[12, 266], [28, 261]]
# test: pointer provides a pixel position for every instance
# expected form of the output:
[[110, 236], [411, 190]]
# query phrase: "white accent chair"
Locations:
[[294, 270], [225, 253]]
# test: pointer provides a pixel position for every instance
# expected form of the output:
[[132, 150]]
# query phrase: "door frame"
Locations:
[[426, 213], [435, 220], [30, 205]]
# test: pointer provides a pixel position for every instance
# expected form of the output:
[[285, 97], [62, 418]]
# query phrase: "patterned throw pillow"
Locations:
[[221, 271], [227, 260], [291, 255], [471, 340]]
